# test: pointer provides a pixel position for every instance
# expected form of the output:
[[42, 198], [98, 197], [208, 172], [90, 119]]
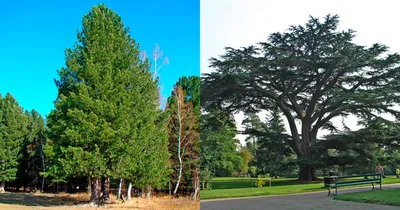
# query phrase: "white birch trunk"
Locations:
[[119, 188], [128, 194]]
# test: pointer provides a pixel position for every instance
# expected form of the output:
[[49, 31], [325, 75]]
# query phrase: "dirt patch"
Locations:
[[25, 201]]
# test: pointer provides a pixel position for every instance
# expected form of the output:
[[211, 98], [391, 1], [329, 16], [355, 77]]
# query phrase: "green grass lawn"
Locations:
[[229, 187], [386, 197]]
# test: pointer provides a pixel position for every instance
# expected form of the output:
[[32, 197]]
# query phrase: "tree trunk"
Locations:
[[2, 187], [95, 188], [57, 187], [196, 186], [89, 187], [307, 173], [43, 163], [169, 187], [128, 193], [179, 176], [148, 191], [66, 187], [119, 188], [105, 188]]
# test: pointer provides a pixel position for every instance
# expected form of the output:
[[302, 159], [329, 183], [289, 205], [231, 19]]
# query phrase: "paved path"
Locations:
[[306, 201]]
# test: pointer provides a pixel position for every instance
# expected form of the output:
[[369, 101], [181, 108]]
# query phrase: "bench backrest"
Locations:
[[360, 175]]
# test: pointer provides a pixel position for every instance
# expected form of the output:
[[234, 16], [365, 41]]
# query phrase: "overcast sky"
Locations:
[[240, 23]]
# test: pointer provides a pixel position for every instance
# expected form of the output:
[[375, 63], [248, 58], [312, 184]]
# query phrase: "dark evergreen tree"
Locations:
[[13, 129], [313, 73], [31, 163], [106, 109]]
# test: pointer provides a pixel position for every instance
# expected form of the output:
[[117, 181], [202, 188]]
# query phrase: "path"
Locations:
[[306, 201]]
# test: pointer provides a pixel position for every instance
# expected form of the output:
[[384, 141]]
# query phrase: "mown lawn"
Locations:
[[386, 197], [229, 187]]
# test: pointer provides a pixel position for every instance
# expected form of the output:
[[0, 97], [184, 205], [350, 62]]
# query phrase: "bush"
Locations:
[[205, 177], [260, 182], [253, 171]]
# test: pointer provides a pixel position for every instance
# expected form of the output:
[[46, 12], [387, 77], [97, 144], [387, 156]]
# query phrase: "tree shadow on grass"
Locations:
[[44, 200], [247, 183]]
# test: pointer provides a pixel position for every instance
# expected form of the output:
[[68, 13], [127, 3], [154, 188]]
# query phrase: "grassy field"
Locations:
[[37, 201], [229, 187], [386, 197]]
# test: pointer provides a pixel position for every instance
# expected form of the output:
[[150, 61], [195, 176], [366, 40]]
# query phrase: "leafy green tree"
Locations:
[[218, 143], [106, 109], [13, 129], [360, 151], [246, 158], [313, 73]]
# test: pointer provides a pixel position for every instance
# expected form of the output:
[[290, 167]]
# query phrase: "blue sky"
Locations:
[[34, 35]]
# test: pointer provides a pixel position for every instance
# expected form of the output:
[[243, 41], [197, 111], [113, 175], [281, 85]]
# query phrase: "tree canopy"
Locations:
[[313, 73], [106, 121]]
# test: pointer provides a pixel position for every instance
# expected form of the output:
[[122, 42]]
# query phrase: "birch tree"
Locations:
[[182, 134]]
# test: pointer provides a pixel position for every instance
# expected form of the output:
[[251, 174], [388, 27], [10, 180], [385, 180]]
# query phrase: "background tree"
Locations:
[[31, 162], [245, 160], [218, 144], [183, 133], [313, 73], [13, 129]]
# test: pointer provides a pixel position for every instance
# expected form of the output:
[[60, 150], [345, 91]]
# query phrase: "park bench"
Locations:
[[338, 181]]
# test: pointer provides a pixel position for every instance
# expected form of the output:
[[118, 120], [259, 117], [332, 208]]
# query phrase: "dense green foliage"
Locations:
[[219, 153], [13, 124], [21, 134], [312, 73], [107, 125], [183, 107], [106, 121], [271, 154]]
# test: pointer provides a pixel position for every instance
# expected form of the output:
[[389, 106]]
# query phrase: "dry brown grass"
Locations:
[[27, 201]]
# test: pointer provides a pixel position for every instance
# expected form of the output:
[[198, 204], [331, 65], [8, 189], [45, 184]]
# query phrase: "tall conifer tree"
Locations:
[[106, 111]]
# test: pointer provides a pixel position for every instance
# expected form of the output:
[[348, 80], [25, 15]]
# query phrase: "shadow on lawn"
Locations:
[[246, 183], [39, 200]]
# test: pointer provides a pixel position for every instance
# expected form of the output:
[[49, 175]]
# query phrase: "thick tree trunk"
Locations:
[[95, 185], [2, 187], [148, 191], [307, 173], [128, 193], [105, 188]]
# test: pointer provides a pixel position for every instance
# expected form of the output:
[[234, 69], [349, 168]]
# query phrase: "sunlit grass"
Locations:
[[386, 197], [229, 187]]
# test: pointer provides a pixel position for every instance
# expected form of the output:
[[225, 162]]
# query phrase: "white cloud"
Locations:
[[237, 23]]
